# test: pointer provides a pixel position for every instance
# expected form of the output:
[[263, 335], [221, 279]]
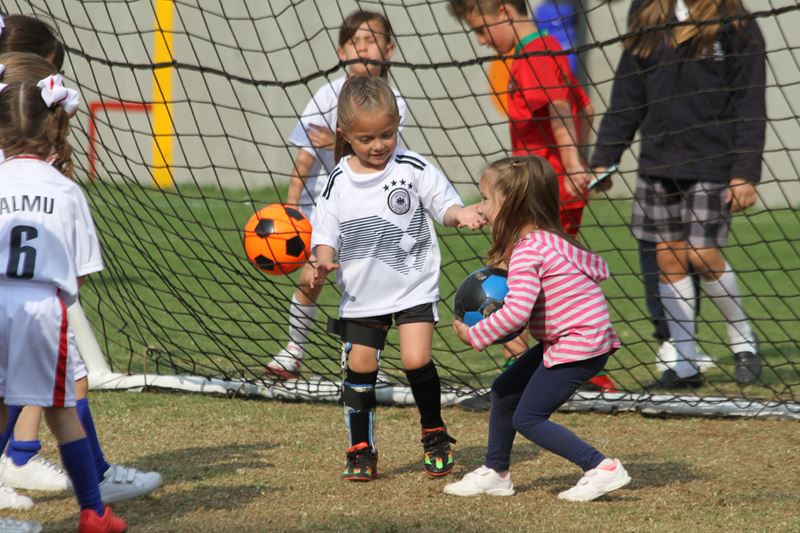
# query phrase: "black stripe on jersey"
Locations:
[[413, 161], [327, 192]]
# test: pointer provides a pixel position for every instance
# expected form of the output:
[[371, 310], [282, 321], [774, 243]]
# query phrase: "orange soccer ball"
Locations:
[[277, 239]]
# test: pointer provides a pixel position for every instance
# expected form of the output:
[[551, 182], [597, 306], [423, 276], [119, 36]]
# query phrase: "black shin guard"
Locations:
[[358, 394]]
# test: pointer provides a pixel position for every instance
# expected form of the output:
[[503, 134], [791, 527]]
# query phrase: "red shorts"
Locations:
[[571, 220]]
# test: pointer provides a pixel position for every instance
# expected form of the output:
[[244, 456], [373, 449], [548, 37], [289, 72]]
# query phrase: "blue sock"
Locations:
[[79, 464], [13, 413], [22, 451], [100, 463]]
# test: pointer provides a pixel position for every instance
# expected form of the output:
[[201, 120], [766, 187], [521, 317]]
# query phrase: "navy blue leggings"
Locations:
[[524, 397]]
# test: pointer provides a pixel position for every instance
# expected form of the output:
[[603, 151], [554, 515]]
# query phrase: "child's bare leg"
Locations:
[[27, 426]]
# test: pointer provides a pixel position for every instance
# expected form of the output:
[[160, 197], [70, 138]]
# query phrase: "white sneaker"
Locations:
[[123, 483], [9, 499], [667, 357], [9, 525], [484, 480], [597, 482], [36, 474], [286, 365]]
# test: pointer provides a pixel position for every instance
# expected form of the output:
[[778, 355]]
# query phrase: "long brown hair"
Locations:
[[650, 25], [23, 33], [27, 125], [529, 186], [350, 26], [362, 94]]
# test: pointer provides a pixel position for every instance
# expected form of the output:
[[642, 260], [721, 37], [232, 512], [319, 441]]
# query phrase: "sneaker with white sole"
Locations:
[[668, 355], [597, 482], [123, 483], [37, 474], [484, 480], [10, 499], [9, 525], [286, 365]]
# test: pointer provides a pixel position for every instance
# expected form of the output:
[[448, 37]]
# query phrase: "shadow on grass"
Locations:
[[644, 476]]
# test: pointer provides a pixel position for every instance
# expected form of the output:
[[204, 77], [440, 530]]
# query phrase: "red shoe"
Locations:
[[601, 383], [91, 522]]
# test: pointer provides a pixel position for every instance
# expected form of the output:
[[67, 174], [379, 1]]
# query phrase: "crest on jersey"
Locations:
[[399, 201]]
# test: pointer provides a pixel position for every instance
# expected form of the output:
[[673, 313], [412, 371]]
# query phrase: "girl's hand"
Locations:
[[741, 194], [576, 182], [321, 137], [462, 330], [321, 271], [469, 217]]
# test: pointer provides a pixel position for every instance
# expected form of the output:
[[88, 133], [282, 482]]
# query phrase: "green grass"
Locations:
[[271, 466], [178, 294]]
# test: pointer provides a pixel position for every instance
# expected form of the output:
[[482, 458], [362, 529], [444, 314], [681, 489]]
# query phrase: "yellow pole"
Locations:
[[161, 111]]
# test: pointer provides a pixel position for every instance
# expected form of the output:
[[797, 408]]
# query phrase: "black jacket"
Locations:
[[699, 118]]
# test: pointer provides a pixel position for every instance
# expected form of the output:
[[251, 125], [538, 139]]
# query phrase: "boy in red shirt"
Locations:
[[549, 112]]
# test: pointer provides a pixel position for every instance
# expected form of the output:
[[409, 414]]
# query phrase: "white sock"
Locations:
[[301, 320], [724, 292], [678, 299]]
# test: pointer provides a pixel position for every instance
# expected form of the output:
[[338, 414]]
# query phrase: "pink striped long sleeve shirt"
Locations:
[[553, 289]]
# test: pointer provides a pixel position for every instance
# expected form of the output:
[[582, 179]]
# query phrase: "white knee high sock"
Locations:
[[301, 320], [679, 303], [724, 292]]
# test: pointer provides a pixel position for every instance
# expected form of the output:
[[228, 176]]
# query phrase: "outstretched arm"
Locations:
[[459, 216]]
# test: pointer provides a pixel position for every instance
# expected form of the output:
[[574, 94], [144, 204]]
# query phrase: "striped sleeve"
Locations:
[[524, 285]]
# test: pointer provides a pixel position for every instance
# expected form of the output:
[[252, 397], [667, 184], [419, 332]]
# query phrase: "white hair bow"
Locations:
[[2, 69], [2, 24], [54, 93]]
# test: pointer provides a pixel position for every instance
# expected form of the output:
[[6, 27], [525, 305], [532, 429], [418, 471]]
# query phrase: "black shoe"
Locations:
[[477, 403], [748, 367], [362, 463], [669, 380], [437, 457]]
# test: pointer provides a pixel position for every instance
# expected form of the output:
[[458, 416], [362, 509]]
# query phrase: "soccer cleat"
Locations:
[[362, 463], [667, 356], [37, 474], [437, 457], [748, 367], [479, 402], [9, 525], [484, 480], [669, 380], [91, 522], [600, 383], [123, 483], [286, 365], [597, 482], [9, 499]]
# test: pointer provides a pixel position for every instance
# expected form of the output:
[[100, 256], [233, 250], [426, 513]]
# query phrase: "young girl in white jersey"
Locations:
[[363, 35], [553, 291], [47, 244], [375, 212], [22, 467]]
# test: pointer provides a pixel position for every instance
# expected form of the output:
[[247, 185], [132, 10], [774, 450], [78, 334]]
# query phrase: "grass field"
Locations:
[[178, 294], [234, 465]]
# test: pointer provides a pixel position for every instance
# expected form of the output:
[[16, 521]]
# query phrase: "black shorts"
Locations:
[[418, 313]]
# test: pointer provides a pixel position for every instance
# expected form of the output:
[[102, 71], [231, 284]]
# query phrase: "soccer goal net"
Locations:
[[182, 135]]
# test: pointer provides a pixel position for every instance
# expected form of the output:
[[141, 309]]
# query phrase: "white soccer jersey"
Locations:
[[380, 225], [321, 111], [46, 230]]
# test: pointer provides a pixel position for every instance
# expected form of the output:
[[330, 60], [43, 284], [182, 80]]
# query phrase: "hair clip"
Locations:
[[2, 24], [54, 93], [2, 70]]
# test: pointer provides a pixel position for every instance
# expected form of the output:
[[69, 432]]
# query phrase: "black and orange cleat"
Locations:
[[437, 457], [362, 463]]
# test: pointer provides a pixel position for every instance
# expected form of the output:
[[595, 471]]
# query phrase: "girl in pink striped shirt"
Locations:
[[553, 290]]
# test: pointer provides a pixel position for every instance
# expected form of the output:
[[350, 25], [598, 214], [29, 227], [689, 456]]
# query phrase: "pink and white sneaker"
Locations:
[[609, 475]]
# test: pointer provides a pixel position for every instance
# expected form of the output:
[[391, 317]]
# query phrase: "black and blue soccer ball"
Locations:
[[480, 295]]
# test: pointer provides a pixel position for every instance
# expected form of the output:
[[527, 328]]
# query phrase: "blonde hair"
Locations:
[[650, 25], [529, 187], [27, 124], [463, 8], [362, 95]]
